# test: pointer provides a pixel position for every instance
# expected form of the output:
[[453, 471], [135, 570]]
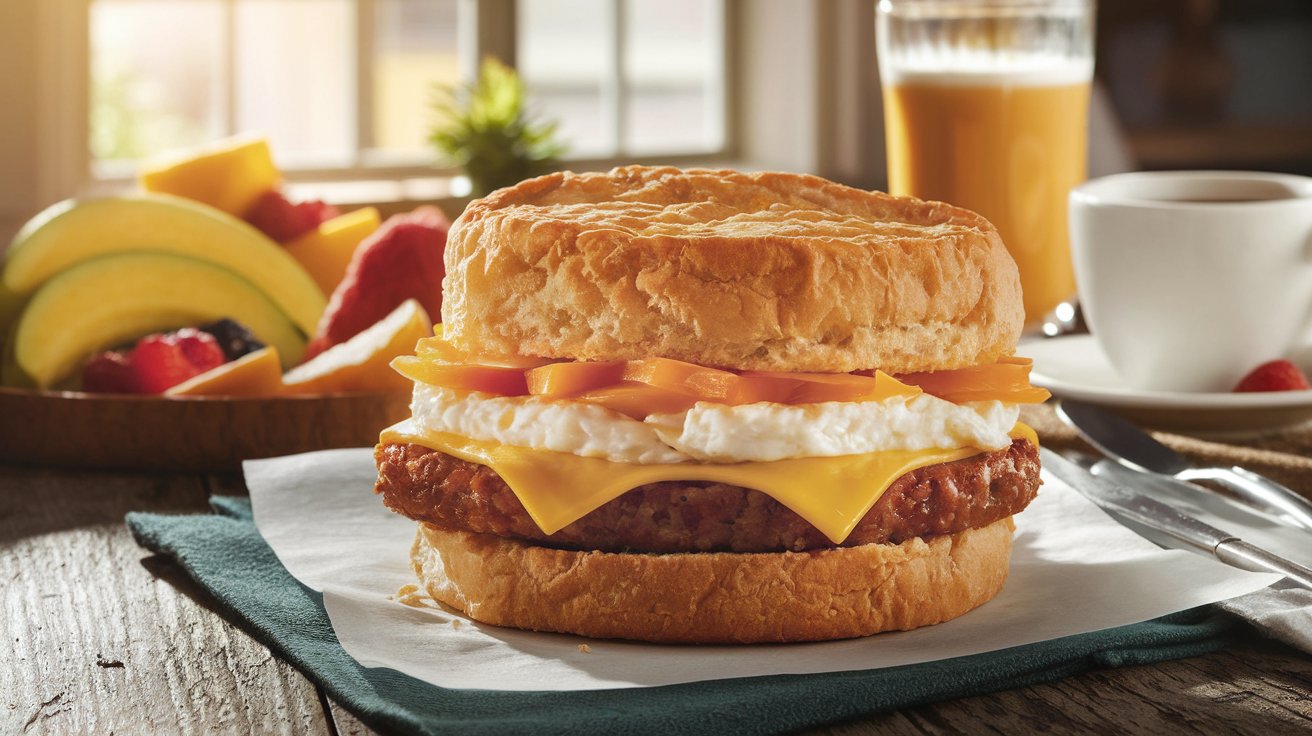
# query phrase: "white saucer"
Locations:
[[1075, 367]]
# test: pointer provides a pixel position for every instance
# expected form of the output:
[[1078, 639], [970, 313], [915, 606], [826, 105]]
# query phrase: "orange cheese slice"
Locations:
[[656, 385], [557, 489], [1006, 380]]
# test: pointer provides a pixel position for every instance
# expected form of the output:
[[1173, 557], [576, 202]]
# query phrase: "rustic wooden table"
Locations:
[[99, 636]]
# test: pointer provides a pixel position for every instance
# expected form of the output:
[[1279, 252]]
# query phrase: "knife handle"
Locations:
[[1257, 491], [1243, 555]]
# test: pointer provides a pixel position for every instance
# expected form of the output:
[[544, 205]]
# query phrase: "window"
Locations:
[[636, 77], [342, 87]]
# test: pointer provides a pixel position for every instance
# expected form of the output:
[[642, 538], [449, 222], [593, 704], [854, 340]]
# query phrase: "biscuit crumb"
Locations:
[[410, 595], [585, 649], [455, 623]]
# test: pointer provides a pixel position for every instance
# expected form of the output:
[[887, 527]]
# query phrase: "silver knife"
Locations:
[[1154, 514], [1132, 447]]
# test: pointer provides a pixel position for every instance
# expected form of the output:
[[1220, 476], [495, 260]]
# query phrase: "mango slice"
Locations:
[[229, 175], [326, 252]]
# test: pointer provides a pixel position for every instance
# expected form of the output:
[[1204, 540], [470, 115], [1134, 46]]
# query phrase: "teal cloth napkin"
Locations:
[[226, 554]]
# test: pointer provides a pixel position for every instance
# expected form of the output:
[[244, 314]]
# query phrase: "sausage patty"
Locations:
[[697, 516]]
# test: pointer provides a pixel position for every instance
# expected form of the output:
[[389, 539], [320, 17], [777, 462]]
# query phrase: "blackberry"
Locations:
[[233, 337]]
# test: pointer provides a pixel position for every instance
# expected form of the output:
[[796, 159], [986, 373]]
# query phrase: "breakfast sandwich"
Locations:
[[709, 406]]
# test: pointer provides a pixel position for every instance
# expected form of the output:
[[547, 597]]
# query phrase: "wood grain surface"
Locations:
[[67, 429], [102, 637]]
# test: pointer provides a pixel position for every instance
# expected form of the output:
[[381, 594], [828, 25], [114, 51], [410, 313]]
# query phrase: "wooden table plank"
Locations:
[[98, 640], [1253, 688]]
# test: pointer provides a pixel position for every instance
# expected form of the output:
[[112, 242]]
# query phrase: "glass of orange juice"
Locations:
[[985, 107]]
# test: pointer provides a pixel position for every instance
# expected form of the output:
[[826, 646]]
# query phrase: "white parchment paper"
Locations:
[[1073, 570]]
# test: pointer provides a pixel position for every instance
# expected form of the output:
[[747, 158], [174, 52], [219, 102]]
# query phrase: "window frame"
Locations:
[[63, 62], [815, 109], [490, 24]]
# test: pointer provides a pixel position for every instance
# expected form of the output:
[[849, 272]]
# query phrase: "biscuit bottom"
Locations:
[[714, 597]]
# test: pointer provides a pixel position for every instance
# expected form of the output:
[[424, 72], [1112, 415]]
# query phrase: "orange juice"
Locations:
[[1009, 146]]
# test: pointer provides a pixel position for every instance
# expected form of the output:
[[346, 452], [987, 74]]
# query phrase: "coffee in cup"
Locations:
[[1189, 279]]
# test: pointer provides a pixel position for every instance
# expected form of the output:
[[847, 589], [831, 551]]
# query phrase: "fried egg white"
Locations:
[[718, 433]]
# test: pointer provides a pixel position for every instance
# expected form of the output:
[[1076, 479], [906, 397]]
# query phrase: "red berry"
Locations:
[[1277, 375], [163, 361], [201, 348], [317, 211], [109, 373], [275, 216]]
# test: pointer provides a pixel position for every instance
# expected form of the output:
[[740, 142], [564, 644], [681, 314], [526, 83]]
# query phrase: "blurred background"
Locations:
[[343, 88]]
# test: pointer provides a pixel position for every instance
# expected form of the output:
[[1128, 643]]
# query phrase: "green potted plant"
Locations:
[[485, 128]]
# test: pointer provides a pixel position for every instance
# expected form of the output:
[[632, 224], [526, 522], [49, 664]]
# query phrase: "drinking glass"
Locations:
[[986, 107]]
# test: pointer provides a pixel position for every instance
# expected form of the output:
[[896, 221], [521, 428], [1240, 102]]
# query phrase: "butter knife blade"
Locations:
[[1152, 513]]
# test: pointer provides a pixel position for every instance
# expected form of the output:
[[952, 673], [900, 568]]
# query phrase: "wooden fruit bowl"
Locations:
[[76, 430]]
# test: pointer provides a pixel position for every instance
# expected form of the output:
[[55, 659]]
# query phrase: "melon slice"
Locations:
[[362, 363], [107, 301], [72, 232], [257, 373]]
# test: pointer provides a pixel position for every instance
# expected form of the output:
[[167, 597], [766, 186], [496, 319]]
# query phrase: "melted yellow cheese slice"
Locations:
[[557, 489]]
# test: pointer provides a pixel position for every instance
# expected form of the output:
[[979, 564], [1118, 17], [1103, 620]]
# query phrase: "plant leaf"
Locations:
[[485, 128]]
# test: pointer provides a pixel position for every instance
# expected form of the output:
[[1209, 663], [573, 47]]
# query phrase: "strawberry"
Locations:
[[109, 373], [160, 362], [1277, 375], [276, 216], [401, 260]]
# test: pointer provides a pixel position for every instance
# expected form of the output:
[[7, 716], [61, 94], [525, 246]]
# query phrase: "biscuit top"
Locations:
[[645, 202], [765, 271]]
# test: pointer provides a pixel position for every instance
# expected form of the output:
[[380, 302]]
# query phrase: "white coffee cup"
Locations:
[[1189, 279]]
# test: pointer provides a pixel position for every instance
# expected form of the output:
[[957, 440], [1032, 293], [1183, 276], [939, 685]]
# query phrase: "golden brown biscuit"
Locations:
[[714, 597], [767, 271]]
